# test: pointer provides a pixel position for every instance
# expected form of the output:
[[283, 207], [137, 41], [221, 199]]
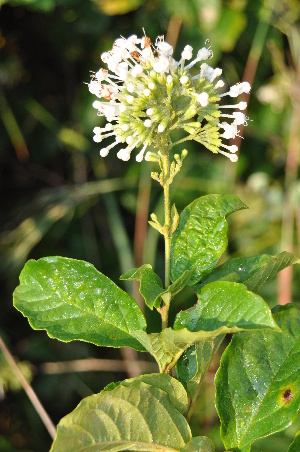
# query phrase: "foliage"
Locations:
[[61, 198], [72, 300]]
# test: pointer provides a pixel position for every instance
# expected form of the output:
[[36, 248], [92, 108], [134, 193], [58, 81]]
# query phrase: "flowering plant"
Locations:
[[145, 96], [150, 94]]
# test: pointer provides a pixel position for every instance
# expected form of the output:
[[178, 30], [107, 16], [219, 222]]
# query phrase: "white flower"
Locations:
[[230, 130], [202, 98], [184, 79], [238, 89], [145, 93], [204, 54], [164, 48], [187, 53], [162, 65]]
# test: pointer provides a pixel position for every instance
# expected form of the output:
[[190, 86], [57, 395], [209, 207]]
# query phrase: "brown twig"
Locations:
[[95, 365], [289, 212], [173, 30], [29, 391]]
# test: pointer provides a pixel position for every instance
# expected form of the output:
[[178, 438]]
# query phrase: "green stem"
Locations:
[[167, 225], [165, 167]]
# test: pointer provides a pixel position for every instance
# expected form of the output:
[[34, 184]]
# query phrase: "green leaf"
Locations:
[[201, 235], [222, 308], [73, 301], [151, 287], [226, 304], [199, 444], [141, 414], [254, 271], [167, 347], [175, 391], [258, 382], [295, 446], [180, 283], [194, 363]]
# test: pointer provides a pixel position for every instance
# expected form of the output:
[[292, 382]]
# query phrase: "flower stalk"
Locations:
[[167, 211]]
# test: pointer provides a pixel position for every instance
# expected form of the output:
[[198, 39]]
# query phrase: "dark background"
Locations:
[[58, 196]]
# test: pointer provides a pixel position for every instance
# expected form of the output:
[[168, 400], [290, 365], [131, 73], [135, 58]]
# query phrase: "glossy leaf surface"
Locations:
[[225, 304], [141, 414], [222, 308], [258, 382], [254, 271], [201, 235], [72, 300]]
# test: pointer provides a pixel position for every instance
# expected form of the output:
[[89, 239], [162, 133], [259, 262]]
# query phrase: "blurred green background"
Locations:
[[60, 197]]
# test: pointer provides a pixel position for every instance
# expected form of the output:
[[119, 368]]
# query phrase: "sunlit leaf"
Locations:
[[258, 382], [151, 287], [226, 304], [254, 271], [201, 236], [72, 300], [222, 308], [141, 414]]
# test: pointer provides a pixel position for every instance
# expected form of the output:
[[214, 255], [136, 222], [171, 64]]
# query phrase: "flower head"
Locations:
[[145, 94]]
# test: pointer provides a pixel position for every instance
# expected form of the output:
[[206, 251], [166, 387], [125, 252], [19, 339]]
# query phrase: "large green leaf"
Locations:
[[258, 382], [141, 414], [226, 304], [222, 308], [72, 300], [254, 271], [295, 446], [201, 235]]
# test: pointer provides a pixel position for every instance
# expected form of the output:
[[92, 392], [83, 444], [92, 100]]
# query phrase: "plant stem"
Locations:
[[165, 182], [167, 225]]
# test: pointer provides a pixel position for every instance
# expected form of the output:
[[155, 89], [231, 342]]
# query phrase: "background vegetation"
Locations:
[[60, 197]]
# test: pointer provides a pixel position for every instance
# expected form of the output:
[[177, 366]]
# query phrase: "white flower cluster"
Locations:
[[145, 94]]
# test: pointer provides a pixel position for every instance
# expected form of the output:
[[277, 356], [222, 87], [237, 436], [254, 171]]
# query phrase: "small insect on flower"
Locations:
[[146, 94]]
